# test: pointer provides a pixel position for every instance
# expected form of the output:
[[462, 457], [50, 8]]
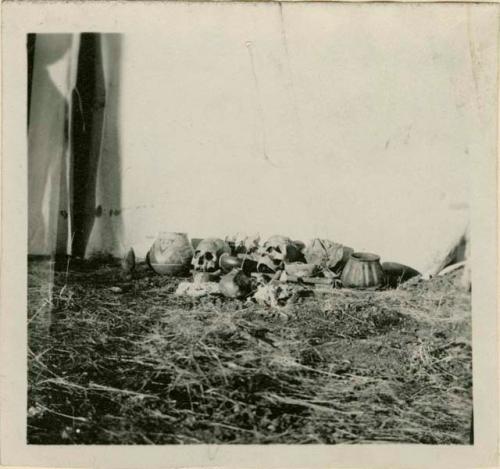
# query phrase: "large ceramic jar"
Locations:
[[171, 253], [363, 270]]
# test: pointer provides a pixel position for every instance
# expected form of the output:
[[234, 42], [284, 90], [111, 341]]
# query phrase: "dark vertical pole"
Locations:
[[30, 45], [87, 126]]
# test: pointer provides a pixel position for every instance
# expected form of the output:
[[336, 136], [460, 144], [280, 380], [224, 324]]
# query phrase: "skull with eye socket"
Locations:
[[243, 243], [207, 254], [277, 251]]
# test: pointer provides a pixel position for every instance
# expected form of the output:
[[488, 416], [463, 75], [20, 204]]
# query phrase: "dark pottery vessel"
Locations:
[[396, 274]]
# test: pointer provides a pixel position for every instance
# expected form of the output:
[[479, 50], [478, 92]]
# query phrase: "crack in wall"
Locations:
[[260, 110]]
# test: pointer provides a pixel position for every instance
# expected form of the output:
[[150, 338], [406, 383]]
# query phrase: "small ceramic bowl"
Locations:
[[169, 269], [396, 273]]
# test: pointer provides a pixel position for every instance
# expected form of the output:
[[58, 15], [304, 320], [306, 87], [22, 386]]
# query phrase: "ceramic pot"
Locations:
[[363, 270], [170, 254]]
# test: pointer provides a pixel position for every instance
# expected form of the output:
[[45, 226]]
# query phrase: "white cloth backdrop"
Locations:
[[310, 120], [54, 76]]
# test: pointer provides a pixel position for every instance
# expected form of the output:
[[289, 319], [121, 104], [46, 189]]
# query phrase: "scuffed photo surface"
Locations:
[[151, 322]]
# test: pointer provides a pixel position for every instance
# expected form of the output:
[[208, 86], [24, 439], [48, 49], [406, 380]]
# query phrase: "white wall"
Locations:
[[331, 120]]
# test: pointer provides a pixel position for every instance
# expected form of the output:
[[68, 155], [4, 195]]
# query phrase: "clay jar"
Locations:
[[363, 270], [170, 254]]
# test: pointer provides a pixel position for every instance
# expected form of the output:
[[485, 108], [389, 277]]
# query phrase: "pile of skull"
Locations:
[[274, 273]]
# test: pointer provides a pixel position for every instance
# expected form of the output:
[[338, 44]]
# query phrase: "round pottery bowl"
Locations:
[[396, 273], [363, 270], [170, 254], [169, 269], [171, 248]]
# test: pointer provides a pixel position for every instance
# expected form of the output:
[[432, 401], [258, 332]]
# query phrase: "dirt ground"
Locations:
[[139, 365]]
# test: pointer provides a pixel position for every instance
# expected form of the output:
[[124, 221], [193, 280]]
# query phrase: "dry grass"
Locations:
[[147, 367]]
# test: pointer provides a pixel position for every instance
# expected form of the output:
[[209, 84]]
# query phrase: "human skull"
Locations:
[[207, 254], [245, 244], [277, 251]]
